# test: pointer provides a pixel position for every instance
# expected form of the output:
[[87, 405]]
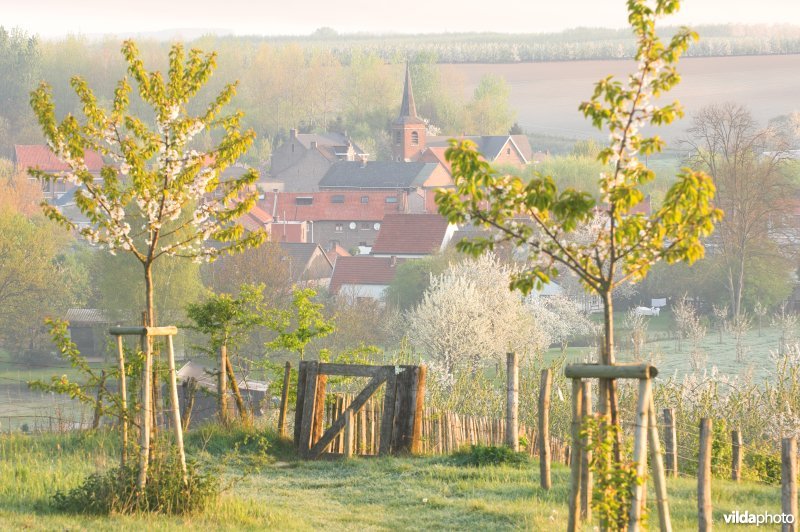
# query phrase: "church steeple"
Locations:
[[407, 108], [408, 130]]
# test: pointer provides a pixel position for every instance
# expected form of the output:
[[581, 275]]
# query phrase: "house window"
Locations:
[[415, 138], [391, 199], [338, 198], [364, 199], [398, 137], [304, 200], [508, 151], [366, 226], [339, 228]]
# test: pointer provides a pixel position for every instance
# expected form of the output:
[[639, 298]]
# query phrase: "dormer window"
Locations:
[[415, 138]]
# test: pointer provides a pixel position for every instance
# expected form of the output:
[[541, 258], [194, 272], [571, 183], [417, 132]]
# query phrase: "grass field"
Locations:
[[275, 490]]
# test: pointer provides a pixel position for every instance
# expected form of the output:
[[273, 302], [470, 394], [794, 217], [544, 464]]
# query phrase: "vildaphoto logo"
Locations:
[[748, 518]]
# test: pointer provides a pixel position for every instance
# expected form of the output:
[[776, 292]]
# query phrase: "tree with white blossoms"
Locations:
[[468, 319], [156, 196], [536, 216]]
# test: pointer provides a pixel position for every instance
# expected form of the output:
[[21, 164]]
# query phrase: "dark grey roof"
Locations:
[[335, 140], [377, 174]]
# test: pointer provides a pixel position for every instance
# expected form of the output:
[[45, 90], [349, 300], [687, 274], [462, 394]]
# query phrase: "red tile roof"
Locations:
[[410, 234], [323, 208], [39, 156], [363, 270]]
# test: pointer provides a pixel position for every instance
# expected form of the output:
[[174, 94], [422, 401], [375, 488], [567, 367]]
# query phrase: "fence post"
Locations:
[[544, 429], [789, 482], [736, 455], [284, 400], [512, 401], [574, 518], [348, 434], [704, 477], [586, 457], [670, 442]]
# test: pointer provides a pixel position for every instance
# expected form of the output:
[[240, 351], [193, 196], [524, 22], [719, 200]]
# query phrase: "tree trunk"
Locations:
[[608, 404], [147, 396]]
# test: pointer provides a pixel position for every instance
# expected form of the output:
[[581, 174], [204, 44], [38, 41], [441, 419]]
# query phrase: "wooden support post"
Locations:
[[544, 429], [177, 427], [789, 482], [704, 519], [512, 401], [586, 457], [309, 397], [574, 518], [659, 478], [123, 398], [362, 431], [300, 404], [222, 384], [287, 373], [317, 425], [146, 414], [736, 455], [640, 452], [670, 442], [418, 409]]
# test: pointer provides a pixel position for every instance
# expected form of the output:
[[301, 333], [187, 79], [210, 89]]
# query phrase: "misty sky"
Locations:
[[54, 18]]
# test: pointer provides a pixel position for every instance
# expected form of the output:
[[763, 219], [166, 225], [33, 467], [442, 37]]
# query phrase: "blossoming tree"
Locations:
[[538, 217], [156, 196]]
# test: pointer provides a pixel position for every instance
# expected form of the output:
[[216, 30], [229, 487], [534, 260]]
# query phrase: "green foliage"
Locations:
[[414, 277], [762, 467], [115, 492], [603, 241], [489, 455], [227, 319], [32, 255], [299, 325], [614, 481]]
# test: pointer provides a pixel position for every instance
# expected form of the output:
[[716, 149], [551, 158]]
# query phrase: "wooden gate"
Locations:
[[401, 424]]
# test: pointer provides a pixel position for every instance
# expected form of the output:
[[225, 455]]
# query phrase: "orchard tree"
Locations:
[[541, 219], [158, 197]]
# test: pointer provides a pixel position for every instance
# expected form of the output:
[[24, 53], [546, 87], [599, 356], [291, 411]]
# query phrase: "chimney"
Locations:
[[363, 162], [392, 261], [313, 144], [292, 134]]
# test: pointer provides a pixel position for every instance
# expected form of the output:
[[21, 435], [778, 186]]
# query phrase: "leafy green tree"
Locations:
[[159, 198], [601, 240], [299, 325], [489, 111], [20, 62], [414, 277], [37, 278], [227, 320]]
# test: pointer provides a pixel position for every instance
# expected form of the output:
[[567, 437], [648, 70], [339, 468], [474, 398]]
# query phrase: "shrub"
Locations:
[[483, 455], [114, 491]]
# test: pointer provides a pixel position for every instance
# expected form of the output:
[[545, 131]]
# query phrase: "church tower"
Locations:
[[408, 130]]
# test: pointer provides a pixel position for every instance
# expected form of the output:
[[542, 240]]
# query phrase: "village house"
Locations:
[[41, 157], [299, 164], [364, 277], [412, 236]]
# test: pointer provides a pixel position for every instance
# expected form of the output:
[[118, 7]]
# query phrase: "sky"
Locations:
[[56, 18]]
